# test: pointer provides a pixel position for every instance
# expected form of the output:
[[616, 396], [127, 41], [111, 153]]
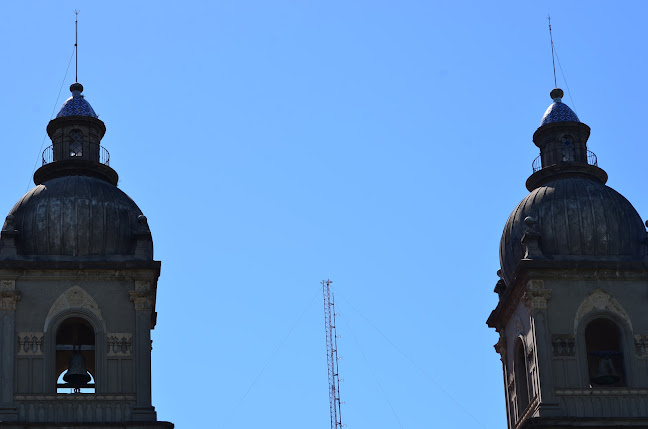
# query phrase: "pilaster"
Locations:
[[535, 299], [8, 299], [143, 298]]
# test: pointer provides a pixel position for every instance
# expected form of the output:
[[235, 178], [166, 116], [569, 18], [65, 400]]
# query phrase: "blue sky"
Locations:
[[380, 144]]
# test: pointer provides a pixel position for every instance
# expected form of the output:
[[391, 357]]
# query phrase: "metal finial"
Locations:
[[76, 45], [553, 56]]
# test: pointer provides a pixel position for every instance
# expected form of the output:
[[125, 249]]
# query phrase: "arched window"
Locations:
[[521, 380], [567, 149], [75, 356], [76, 143], [605, 362]]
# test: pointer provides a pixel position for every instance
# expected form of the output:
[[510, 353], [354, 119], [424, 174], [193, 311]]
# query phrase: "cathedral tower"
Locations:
[[573, 291], [77, 287]]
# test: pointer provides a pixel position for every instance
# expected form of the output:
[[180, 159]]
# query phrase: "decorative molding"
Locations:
[[7, 285], [77, 410], [120, 344], [8, 236], [8, 295], [142, 285], [500, 346], [536, 296], [519, 328], [563, 345], [73, 298], [75, 398], [599, 299], [142, 300], [143, 296], [641, 345], [30, 343], [511, 381], [613, 391]]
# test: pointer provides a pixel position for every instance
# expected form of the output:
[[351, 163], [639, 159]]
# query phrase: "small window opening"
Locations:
[[521, 381], [604, 354], [567, 149], [75, 357], [76, 143]]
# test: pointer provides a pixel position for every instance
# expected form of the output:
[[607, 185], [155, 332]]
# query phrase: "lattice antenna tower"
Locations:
[[332, 355]]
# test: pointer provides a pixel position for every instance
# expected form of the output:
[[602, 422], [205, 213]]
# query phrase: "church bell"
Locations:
[[605, 373], [77, 374]]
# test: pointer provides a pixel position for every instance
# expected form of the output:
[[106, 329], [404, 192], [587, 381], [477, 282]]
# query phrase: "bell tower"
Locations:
[[78, 286], [573, 291]]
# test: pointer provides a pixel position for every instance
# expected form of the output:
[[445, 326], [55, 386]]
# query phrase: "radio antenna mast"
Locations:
[[331, 355]]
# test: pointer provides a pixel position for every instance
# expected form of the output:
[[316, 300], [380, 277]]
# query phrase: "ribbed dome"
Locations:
[[77, 104], [576, 216], [76, 216]]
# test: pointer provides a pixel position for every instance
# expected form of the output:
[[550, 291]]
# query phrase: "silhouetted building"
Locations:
[[77, 290], [573, 293]]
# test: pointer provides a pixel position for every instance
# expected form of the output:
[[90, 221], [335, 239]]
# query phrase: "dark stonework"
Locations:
[[573, 290], [78, 283]]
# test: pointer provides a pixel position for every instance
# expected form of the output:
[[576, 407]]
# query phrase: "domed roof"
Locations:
[[575, 216], [77, 216], [77, 104], [558, 111]]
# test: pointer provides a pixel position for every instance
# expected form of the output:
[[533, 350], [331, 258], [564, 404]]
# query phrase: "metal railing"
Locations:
[[48, 155], [537, 163]]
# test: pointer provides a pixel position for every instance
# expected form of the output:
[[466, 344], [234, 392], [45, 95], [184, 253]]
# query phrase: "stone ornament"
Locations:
[[563, 345], [73, 298], [599, 299], [30, 343], [641, 345], [531, 240], [120, 344], [500, 346], [536, 296], [519, 328], [142, 297], [8, 295]]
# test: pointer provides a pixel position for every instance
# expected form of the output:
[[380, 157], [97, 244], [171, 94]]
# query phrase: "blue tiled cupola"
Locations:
[[558, 111], [77, 104]]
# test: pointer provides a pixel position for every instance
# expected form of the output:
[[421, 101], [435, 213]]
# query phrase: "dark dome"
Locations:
[[77, 216], [575, 216]]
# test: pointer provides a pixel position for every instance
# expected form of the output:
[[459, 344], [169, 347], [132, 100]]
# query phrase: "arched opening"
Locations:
[[567, 149], [75, 356], [76, 143], [521, 379], [605, 361]]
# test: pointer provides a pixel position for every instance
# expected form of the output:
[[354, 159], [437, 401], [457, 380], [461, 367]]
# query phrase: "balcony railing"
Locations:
[[48, 155], [591, 160]]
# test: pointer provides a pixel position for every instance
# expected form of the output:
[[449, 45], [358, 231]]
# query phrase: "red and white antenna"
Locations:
[[331, 355]]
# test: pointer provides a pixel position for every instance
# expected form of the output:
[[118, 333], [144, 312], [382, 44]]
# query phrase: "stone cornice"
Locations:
[[574, 268], [74, 398], [44, 265]]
